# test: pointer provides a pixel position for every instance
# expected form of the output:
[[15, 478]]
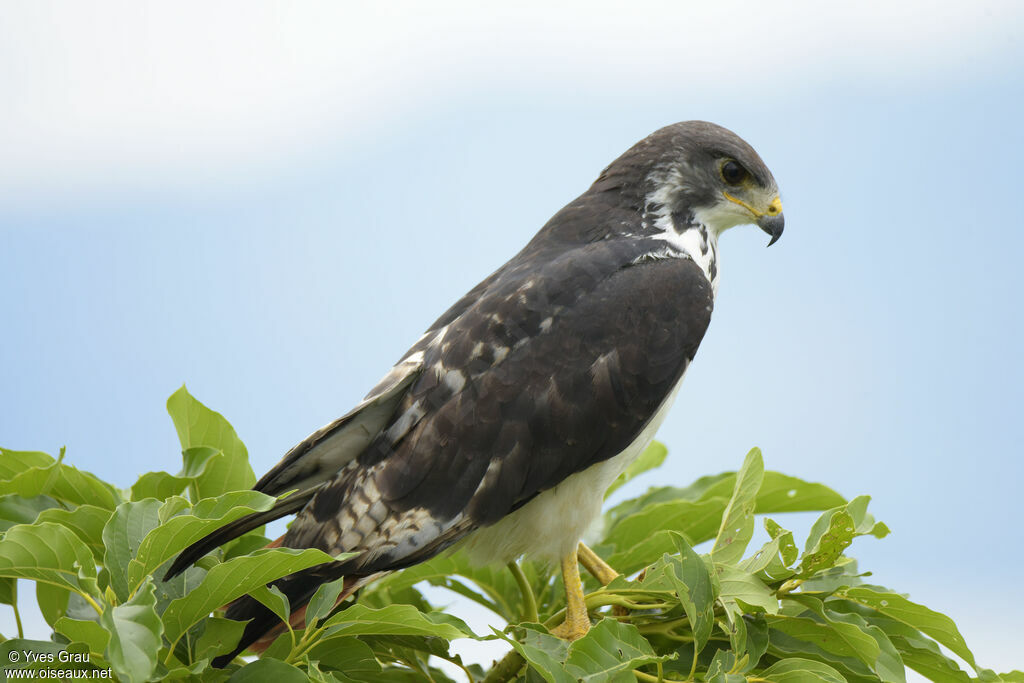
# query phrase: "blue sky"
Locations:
[[271, 205]]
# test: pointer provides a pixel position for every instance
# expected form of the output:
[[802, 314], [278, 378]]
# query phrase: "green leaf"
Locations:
[[177, 533], [651, 458], [135, 631], [830, 542], [17, 510], [13, 463], [868, 643], [932, 623], [757, 639], [219, 637], [84, 631], [696, 592], [49, 553], [843, 574], [195, 459], [782, 493], [197, 426], [609, 652], [774, 558], [742, 592], [697, 521], [34, 474], [159, 485], [172, 507], [273, 599], [806, 637], [918, 651], [644, 537], [544, 652], [799, 670], [87, 521], [52, 601], [263, 670], [122, 536], [737, 526], [245, 544], [667, 494], [833, 532], [360, 620], [232, 579], [323, 601], [735, 627], [718, 670], [8, 591], [864, 523], [351, 656], [500, 593], [778, 493]]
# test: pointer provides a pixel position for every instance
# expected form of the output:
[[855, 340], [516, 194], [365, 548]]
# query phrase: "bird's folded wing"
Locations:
[[545, 375]]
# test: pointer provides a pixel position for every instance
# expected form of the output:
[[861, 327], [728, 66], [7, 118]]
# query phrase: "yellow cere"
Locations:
[[774, 208]]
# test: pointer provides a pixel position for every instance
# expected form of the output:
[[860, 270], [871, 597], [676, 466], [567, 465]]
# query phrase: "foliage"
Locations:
[[97, 556]]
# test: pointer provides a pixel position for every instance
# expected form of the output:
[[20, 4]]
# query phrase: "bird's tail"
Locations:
[[189, 555]]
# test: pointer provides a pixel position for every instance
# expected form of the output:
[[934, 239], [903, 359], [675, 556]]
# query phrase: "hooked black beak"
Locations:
[[773, 225]]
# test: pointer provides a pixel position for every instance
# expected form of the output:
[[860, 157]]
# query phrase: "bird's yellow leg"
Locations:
[[577, 622], [597, 567]]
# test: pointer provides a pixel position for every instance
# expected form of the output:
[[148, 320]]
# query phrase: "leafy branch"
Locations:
[[732, 614]]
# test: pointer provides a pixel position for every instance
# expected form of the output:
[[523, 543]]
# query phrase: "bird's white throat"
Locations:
[[693, 240]]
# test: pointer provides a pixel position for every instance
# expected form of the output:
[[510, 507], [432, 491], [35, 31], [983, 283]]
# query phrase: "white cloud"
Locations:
[[115, 92]]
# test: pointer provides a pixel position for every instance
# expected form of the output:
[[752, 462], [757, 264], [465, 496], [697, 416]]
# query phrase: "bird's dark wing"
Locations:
[[556, 367]]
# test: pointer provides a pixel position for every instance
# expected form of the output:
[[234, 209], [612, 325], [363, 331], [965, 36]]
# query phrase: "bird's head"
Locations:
[[700, 172]]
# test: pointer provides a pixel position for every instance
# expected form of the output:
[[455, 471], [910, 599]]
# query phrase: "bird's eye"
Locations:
[[732, 172]]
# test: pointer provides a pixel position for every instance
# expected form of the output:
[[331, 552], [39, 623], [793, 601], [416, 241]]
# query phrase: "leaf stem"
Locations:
[[653, 679], [529, 600], [14, 604], [662, 626], [506, 669], [307, 640], [92, 603]]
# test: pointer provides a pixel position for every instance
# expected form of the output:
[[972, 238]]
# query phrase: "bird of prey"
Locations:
[[504, 424]]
